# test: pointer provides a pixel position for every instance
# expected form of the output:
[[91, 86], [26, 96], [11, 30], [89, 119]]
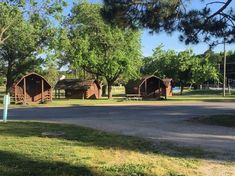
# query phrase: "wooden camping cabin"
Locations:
[[77, 89], [147, 87], [31, 88]]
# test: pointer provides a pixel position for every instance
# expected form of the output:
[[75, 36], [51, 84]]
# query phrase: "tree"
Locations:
[[184, 67], [170, 64], [217, 59], [208, 25], [51, 70], [162, 63], [156, 15], [203, 70], [98, 48], [212, 23], [29, 31]]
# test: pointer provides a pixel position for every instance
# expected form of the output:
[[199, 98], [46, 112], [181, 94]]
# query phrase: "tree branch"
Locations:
[[2, 32], [216, 2], [220, 10]]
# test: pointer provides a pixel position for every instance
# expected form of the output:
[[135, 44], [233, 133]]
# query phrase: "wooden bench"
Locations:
[[133, 97]]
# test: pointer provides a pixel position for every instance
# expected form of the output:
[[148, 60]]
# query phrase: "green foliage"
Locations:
[[30, 31], [203, 70], [218, 57], [51, 73], [183, 67], [208, 22], [50, 67], [103, 50], [157, 15], [2, 80]]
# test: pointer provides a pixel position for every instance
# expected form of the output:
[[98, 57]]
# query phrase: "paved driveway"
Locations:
[[166, 121]]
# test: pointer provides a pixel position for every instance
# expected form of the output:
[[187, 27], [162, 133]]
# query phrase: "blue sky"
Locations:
[[149, 41]]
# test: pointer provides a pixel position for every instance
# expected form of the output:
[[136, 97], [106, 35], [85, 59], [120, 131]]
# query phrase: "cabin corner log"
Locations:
[[24, 90]]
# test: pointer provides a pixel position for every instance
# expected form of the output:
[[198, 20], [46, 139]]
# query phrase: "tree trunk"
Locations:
[[104, 87], [83, 95], [110, 90], [181, 89], [8, 85], [76, 73], [9, 82]]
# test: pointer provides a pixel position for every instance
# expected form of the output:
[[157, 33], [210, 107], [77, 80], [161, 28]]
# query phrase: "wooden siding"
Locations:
[[31, 88], [149, 87], [76, 89]]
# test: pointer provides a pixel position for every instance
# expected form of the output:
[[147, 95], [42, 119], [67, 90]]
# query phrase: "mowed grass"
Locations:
[[202, 98], [220, 120], [84, 152], [123, 101], [204, 95], [206, 92], [120, 99]]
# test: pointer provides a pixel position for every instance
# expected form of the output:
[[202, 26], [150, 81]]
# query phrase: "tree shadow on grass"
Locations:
[[220, 100], [81, 136], [14, 164], [149, 115]]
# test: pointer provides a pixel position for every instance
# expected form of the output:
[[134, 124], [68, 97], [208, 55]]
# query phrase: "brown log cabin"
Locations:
[[149, 87], [31, 88], [78, 89]]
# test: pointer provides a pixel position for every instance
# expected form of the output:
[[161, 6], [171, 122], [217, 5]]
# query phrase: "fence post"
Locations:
[[6, 102]]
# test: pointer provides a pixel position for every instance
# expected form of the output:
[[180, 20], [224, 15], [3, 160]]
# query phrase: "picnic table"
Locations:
[[133, 97]]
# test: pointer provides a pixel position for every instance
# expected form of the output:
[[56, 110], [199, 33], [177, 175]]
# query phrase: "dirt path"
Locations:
[[165, 121]]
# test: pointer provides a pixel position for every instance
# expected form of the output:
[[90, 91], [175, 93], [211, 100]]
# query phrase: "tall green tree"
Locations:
[[99, 48], [204, 70], [29, 30], [184, 67], [51, 69]]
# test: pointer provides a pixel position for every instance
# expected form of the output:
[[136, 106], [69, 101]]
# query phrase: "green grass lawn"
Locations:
[[202, 98], [193, 96], [220, 120], [206, 92], [204, 95], [122, 100], [82, 151]]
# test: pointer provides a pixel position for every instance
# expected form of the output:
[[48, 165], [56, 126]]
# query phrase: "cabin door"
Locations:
[[33, 88]]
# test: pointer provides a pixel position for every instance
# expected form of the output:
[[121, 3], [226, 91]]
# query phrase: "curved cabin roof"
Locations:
[[139, 82], [75, 84], [31, 74], [134, 86]]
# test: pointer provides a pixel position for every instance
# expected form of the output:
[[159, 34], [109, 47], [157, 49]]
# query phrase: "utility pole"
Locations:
[[224, 82]]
